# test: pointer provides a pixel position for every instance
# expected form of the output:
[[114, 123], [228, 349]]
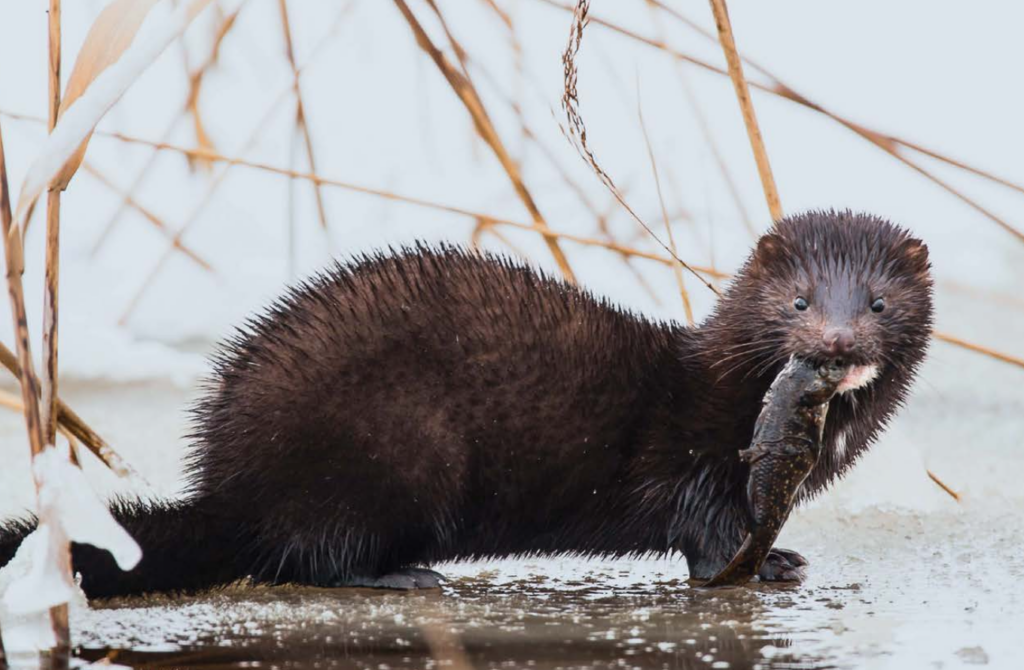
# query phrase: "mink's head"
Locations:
[[834, 285]]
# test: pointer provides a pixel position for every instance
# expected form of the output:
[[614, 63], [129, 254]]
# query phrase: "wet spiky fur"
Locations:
[[436, 404]]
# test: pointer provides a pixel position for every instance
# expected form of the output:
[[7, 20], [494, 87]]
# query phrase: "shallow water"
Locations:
[[885, 590]]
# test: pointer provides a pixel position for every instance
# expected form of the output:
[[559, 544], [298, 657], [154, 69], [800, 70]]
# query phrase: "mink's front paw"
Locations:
[[783, 565]]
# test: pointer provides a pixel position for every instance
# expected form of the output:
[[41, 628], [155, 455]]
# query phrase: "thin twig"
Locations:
[[978, 348], [576, 132], [467, 93], [148, 215], [942, 485], [676, 268], [732, 58], [300, 109]]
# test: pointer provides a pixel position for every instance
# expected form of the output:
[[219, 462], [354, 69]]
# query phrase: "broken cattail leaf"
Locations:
[[110, 35]]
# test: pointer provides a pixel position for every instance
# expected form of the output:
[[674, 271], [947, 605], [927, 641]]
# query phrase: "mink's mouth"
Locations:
[[857, 377], [859, 373]]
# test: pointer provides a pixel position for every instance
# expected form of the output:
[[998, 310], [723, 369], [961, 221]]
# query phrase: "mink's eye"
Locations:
[[800, 304], [878, 305]]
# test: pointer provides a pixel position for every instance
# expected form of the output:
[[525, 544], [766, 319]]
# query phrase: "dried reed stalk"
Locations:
[[15, 264], [576, 131], [942, 485], [70, 421], [676, 268], [51, 287], [467, 93], [300, 110], [732, 58]]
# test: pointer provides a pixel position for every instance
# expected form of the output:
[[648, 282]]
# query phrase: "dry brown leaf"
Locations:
[[110, 35]]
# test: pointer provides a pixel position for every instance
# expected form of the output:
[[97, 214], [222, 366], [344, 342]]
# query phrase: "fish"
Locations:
[[783, 451]]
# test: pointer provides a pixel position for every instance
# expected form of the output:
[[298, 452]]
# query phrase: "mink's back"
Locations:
[[435, 395]]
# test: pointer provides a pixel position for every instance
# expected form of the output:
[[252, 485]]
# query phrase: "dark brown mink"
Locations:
[[435, 404]]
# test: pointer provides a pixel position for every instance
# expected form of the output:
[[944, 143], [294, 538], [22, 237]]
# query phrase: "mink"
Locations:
[[432, 404]]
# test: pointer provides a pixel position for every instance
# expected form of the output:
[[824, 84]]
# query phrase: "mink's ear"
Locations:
[[915, 253], [769, 252]]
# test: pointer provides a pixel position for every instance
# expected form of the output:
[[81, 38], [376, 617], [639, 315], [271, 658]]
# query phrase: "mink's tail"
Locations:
[[186, 547]]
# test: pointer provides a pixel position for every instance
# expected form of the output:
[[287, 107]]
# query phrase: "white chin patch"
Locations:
[[857, 377]]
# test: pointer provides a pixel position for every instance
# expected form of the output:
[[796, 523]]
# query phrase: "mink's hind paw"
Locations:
[[400, 580], [783, 565]]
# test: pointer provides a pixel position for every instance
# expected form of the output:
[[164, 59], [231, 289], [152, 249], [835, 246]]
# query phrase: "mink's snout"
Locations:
[[838, 341]]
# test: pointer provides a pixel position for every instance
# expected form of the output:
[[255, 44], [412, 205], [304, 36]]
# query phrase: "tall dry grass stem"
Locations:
[[978, 348], [300, 110], [464, 89], [13, 402], [732, 58], [51, 321]]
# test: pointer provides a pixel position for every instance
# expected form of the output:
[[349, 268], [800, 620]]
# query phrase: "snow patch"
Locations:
[[68, 510]]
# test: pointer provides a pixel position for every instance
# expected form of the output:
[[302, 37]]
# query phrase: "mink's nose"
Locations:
[[839, 341]]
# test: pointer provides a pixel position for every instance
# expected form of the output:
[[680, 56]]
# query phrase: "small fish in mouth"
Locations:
[[784, 449]]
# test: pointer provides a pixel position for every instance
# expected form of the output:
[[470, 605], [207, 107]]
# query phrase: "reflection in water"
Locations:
[[532, 622]]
